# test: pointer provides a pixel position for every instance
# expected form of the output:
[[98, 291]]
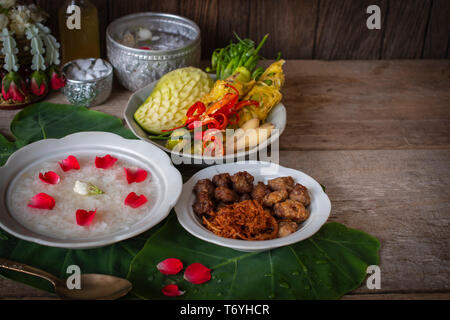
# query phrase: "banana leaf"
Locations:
[[326, 266]]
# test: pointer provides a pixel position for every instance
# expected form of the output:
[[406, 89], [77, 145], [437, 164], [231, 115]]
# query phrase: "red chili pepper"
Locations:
[[209, 136], [236, 115], [228, 108], [197, 108], [222, 119], [214, 123], [245, 103], [236, 91], [228, 99]]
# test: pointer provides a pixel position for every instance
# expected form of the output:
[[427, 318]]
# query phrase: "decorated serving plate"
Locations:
[[277, 116], [86, 190], [319, 207]]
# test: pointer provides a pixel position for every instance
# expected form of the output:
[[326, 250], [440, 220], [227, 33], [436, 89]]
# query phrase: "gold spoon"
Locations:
[[93, 286]]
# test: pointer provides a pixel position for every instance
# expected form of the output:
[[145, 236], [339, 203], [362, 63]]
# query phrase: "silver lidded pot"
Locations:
[[135, 68], [88, 93]]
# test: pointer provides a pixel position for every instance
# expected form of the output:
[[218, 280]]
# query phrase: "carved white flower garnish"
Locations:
[[86, 188]]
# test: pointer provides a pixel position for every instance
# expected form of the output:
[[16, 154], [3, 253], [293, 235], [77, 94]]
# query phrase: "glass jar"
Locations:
[[78, 29]]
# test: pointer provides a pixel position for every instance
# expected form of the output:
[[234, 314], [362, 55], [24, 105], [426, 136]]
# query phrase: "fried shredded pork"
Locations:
[[246, 220]]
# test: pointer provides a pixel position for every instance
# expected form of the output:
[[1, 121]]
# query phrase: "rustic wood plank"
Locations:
[[342, 32], [405, 29], [206, 15], [399, 196], [438, 31], [226, 27], [367, 105], [122, 8], [51, 7], [290, 24], [300, 29]]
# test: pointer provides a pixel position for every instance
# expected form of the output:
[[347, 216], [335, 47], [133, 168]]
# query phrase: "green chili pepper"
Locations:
[[257, 73], [229, 69], [278, 56], [251, 61], [243, 53], [262, 43]]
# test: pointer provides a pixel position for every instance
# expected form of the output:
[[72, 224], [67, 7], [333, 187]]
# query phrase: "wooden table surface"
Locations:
[[377, 135]]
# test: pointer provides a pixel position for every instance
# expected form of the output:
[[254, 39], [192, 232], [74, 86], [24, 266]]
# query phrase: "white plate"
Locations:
[[320, 206], [277, 116], [142, 154]]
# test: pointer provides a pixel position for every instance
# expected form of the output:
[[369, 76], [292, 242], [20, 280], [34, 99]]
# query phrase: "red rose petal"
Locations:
[[84, 218], [49, 177], [172, 290], [69, 163], [105, 162], [144, 48], [197, 273], [137, 175], [42, 201], [170, 266], [135, 201]]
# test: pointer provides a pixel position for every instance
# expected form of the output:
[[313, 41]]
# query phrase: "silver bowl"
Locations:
[[88, 93], [136, 68]]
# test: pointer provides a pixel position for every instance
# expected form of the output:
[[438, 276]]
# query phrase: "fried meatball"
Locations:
[[300, 193], [286, 183], [203, 205], [259, 191], [204, 186], [245, 196], [291, 210], [286, 227], [274, 197], [225, 194], [222, 180], [242, 182]]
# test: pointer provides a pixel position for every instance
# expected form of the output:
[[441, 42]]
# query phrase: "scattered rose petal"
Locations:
[[170, 266], [49, 177], [42, 201], [197, 273], [105, 162], [144, 48], [135, 201], [84, 218], [69, 163], [137, 175], [172, 290]]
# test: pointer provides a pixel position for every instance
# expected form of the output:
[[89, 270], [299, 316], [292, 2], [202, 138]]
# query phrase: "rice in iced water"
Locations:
[[112, 214]]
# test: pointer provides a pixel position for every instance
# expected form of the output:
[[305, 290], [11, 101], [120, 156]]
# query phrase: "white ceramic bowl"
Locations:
[[277, 116], [320, 206], [138, 152]]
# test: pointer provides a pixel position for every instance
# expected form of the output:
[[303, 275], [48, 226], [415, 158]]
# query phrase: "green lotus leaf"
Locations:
[[326, 266]]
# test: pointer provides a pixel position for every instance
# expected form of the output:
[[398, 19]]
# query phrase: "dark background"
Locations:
[[302, 29]]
